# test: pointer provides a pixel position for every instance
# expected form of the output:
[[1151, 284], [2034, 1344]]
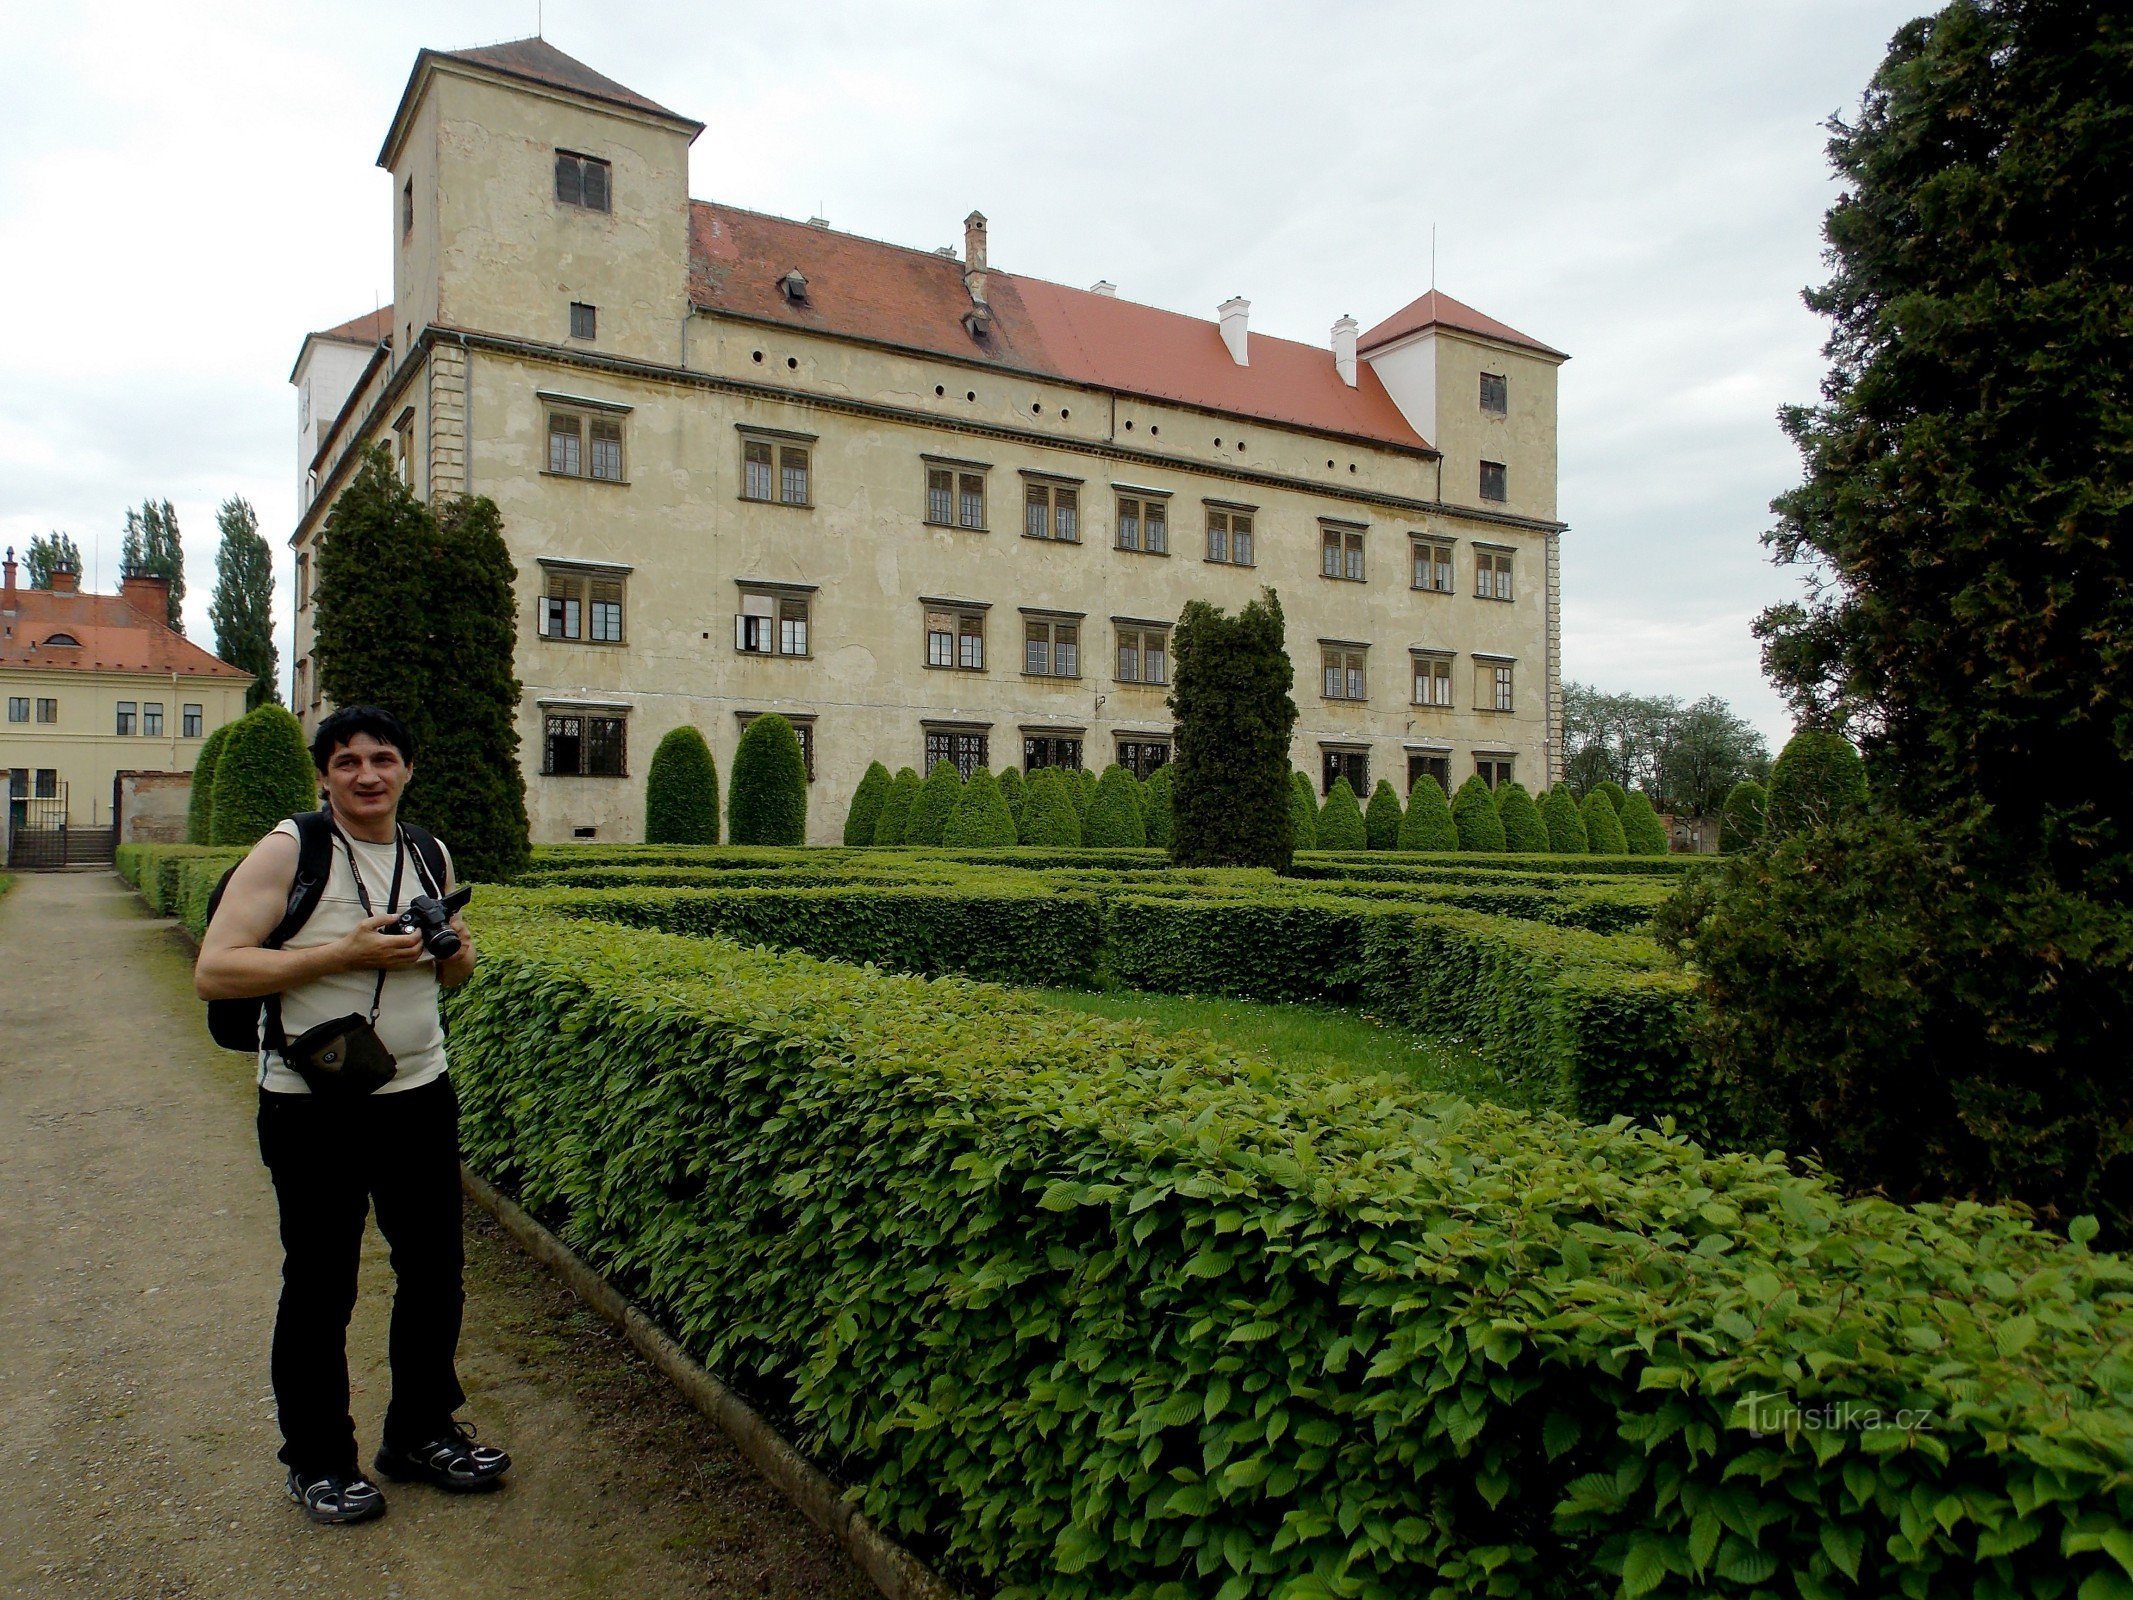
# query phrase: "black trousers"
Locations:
[[330, 1160]]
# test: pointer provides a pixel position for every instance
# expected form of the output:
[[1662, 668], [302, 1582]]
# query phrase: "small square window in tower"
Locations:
[[582, 181], [1495, 393], [584, 320]]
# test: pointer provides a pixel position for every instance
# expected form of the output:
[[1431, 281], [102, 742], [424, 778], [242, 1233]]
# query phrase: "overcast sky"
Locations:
[[186, 190]]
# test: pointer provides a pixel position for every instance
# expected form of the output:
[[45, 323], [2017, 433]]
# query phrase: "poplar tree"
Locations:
[[49, 553], [153, 549], [242, 608]]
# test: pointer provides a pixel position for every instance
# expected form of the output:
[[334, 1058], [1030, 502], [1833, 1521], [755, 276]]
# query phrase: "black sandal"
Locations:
[[452, 1462], [336, 1497]]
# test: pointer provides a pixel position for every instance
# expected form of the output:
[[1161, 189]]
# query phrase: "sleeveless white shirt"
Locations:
[[409, 1022]]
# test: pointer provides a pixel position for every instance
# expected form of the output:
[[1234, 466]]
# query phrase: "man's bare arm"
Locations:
[[451, 974], [232, 964]]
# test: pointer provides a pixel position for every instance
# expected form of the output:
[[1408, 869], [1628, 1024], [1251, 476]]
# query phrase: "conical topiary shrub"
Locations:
[[867, 800], [1381, 818], [200, 800], [936, 799], [1817, 780], [681, 791], [1114, 819], [767, 803], [980, 820], [1740, 824], [1016, 793], [1049, 816], [1523, 831], [1603, 829], [1474, 811], [1564, 822], [1303, 814], [1340, 820], [1083, 789], [263, 775], [1642, 831], [1428, 823], [896, 810], [1617, 796], [1156, 814]]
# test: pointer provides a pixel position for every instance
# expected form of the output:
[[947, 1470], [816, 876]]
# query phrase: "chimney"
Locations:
[[1104, 287], [1344, 332], [10, 591], [65, 581], [974, 256], [1234, 312], [149, 596]]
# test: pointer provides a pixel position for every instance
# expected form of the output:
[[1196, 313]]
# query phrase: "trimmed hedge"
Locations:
[[1381, 818], [1603, 826], [1642, 831], [681, 791], [200, 791], [1615, 795], [896, 810], [1565, 825], [1049, 816], [263, 775], [1817, 779], [1114, 816], [936, 800], [1015, 791], [1157, 813], [1340, 820], [980, 819], [1428, 824], [1107, 1313], [864, 815], [1474, 814], [1303, 814], [768, 802], [1082, 786], [1523, 831]]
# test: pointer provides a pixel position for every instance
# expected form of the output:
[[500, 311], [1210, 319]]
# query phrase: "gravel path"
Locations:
[[138, 1274]]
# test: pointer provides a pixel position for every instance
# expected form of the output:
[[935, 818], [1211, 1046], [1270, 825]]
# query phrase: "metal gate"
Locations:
[[39, 835]]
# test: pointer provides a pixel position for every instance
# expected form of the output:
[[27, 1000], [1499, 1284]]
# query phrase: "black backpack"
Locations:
[[235, 1023]]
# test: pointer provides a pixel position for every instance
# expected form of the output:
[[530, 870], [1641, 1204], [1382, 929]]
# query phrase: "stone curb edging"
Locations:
[[893, 1570]]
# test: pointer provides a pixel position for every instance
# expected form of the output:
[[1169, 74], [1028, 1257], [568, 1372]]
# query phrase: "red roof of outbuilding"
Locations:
[[1437, 309], [916, 300], [112, 635], [371, 328]]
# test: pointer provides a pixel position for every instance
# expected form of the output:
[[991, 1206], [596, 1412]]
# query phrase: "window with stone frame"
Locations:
[[585, 744], [773, 623], [585, 446], [1143, 652], [777, 472], [1427, 764], [1495, 770], [1433, 679], [1492, 685], [1144, 524], [1140, 755], [965, 749], [1433, 565], [1229, 537], [582, 606], [1051, 511], [1342, 674], [1340, 552], [1354, 765], [1051, 647], [955, 638], [1492, 574], [1051, 750], [955, 497]]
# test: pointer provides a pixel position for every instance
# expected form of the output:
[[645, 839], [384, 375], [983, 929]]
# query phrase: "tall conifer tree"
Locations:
[[1230, 692], [242, 608], [49, 553], [152, 548]]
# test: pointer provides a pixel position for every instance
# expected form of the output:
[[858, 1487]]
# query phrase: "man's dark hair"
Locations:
[[342, 727]]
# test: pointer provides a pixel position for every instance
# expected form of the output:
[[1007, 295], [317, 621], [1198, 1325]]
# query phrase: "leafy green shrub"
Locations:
[[1083, 789], [1565, 824], [1156, 813], [681, 791], [1340, 820], [980, 819], [1603, 828], [1428, 824], [1474, 814], [1049, 816], [200, 795], [1523, 831], [1740, 825], [936, 799], [1016, 793], [1381, 818], [1230, 683], [768, 803], [1642, 831], [1105, 1312], [1113, 820], [1925, 1028], [1616, 795], [1818, 780], [896, 810], [1303, 813], [867, 800], [263, 775]]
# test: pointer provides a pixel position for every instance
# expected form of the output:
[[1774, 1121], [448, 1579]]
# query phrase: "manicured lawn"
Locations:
[[1305, 1037]]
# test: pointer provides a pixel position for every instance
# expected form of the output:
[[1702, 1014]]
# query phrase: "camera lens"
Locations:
[[443, 943]]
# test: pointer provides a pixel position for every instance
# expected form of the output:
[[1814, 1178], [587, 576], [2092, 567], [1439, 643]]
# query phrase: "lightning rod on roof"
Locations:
[[1432, 258]]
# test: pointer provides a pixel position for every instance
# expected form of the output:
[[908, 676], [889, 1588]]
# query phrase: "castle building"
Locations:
[[925, 508]]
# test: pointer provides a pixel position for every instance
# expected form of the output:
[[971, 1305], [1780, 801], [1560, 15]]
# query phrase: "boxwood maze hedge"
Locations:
[[1104, 1318]]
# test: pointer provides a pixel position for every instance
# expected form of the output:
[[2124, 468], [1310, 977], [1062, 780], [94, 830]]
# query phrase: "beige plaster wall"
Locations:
[[82, 746]]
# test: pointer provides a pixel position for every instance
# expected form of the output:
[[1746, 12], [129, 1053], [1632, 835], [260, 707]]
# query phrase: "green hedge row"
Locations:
[[1105, 1315]]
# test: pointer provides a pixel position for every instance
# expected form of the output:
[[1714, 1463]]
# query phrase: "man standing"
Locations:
[[332, 1153]]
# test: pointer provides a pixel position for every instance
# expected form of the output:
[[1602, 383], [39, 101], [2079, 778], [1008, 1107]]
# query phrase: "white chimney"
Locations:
[[1104, 287], [1344, 332], [1234, 312]]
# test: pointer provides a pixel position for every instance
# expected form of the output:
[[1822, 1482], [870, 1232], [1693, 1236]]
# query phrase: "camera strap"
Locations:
[[392, 897]]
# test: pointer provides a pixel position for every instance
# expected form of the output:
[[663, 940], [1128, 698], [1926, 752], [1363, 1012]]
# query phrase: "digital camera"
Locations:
[[432, 918]]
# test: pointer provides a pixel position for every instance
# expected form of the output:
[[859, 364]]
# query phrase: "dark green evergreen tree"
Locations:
[[1381, 818], [1015, 791], [1340, 820], [1818, 779], [896, 809], [242, 607], [1428, 824], [1615, 795], [1114, 817], [767, 800], [263, 774], [980, 820], [1083, 789], [153, 549], [867, 800], [49, 553], [1474, 813], [1230, 694], [1303, 813], [681, 790], [1740, 825], [1523, 831], [1564, 822], [936, 799], [200, 800], [1156, 813], [373, 598], [1642, 830], [1603, 828], [1049, 816]]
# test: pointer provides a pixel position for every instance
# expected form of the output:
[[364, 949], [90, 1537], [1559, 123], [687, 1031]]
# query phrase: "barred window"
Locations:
[[962, 749], [1343, 673], [1051, 649], [1433, 566], [1050, 750], [1142, 756], [1433, 680], [1229, 537], [1143, 524], [955, 639], [1341, 554], [1354, 765], [1051, 511], [1434, 767], [579, 745], [1143, 655], [1492, 574]]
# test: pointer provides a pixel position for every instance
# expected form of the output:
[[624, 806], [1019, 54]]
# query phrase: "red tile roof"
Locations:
[[113, 636], [371, 328], [1437, 309], [915, 300]]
